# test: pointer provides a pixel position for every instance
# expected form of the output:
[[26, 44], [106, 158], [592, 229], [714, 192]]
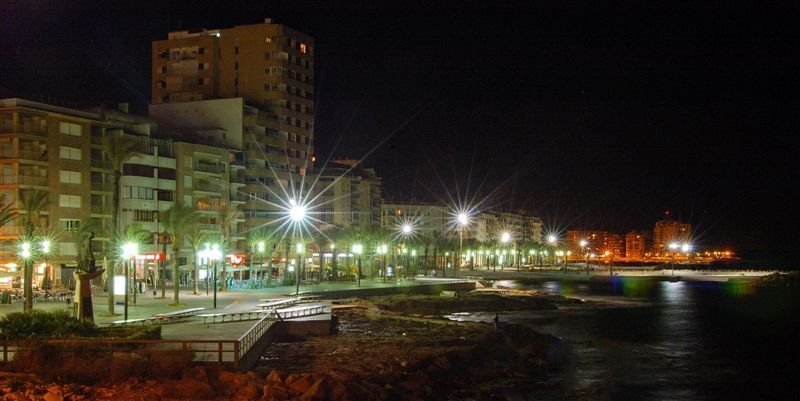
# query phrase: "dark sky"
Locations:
[[590, 117]]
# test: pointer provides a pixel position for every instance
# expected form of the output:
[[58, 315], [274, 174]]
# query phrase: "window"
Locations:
[[137, 193], [69, 128], [303, 48], [69, 177], [73, 201], [69, 153], [71, 225]]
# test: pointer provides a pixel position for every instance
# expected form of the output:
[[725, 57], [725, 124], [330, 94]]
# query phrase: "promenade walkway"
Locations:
[[235, 300]]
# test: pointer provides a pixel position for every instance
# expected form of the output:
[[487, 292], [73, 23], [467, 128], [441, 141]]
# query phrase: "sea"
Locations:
[[644, 338]]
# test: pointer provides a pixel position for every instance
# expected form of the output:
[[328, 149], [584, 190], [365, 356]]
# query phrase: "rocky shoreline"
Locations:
[[384, 348]]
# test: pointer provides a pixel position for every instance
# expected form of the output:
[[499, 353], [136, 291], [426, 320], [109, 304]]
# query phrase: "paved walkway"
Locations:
[[239, 299]]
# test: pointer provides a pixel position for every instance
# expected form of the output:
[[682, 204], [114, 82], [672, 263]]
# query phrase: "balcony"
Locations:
[[12, 230], [207, 187], [33, 180], [104, 164], [106, 210], [214, 168], [102, 187], [210, 227]]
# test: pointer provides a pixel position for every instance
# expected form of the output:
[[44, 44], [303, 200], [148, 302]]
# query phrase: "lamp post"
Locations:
[[505, 237], [214, 254], [357, 249], [129, 250], [673, 246], [584, 244], [463, 219], [261, 246]]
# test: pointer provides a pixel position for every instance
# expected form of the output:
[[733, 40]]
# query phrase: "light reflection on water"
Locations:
[[640, 339]]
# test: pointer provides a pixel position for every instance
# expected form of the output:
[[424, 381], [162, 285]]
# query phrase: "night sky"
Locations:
[[598, 118]]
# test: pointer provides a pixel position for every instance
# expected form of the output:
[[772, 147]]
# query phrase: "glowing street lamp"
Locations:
[[584, 244], [261, 247], [673, 246], [463, 220], [129, 250]]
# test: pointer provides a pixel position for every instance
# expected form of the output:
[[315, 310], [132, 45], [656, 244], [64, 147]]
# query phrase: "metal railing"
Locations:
[[252, 336]]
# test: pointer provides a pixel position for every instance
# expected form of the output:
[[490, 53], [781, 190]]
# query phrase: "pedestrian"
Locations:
[[496, 322]]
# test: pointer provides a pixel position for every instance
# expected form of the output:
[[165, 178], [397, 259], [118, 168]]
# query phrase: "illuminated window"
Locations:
[[69, 129], [303, 48], [71, 225], [69, 153], [71, 201], [70, 177]]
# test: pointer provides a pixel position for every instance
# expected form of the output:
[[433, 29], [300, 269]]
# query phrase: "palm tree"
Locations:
[[7, 214], [196, 237], [120, 147], [177, 220], [269, 239], [33, 202]]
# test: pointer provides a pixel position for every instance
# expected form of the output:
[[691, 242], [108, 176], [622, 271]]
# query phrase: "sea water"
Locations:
[[648, 339]]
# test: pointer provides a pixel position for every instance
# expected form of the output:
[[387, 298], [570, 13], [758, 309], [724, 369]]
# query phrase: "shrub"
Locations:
[[44, 325]]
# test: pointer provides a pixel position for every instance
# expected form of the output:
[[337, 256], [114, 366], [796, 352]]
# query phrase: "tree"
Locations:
[[177, 220], [196, 237], [33, 202], [120, 147], [7, 214]]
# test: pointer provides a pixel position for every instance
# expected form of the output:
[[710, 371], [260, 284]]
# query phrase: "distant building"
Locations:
[[667, 231], [347, 196], [427, 220], [597, 242], [636, 245]]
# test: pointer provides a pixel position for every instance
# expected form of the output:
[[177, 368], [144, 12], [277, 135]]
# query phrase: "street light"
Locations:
[[214, 254], [463, 220], [129, 250], [261, 247], [673, 246], [584, 244], [357, 249], [505, 237]]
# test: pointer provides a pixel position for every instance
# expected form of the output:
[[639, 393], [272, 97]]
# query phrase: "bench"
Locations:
[[132, 321], [179, 313], [300, 311], [234, 316], [272, 304]]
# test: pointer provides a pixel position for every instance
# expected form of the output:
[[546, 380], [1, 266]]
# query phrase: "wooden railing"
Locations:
[[220, 351]]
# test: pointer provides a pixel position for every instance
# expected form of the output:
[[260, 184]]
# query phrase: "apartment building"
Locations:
[[347, 196], [636, 247], [250, 88], [427, 220], [667, 231]]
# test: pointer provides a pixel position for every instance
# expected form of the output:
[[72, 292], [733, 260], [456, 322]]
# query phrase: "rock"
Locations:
[[314, 393], [301, 385], [274, 378], [53, 394]]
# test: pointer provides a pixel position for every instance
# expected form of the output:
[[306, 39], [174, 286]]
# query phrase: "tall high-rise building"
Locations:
[[251, 89]]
